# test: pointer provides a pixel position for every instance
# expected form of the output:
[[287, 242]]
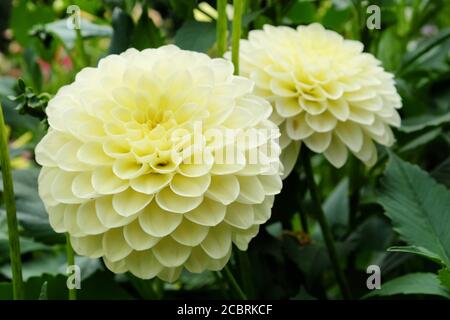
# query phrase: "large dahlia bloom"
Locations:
[[133, 164], [325, 92]]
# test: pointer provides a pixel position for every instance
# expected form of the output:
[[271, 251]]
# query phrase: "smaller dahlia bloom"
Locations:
[[325, 92], [136, 166]]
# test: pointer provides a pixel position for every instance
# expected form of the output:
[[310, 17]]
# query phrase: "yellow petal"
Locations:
[[129, 202], [143, 264], [351, 135], [115, 247], [56, 217], [108, 216], [242, 238], [82, 186], [87, 219], [336, 153], [208, 213], [137, 238], [92, 153], [151, 182], [240, 215], [318, 142], [190, 186], [189, 233], [90, 246], [170, 274], [158, 222], [171, 253], [218, 241], [323, 122], [251, 190], [170, 201], [105, 181], [224, 189]]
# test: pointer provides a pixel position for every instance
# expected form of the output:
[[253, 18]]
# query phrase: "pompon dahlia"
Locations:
[[133, 162], [325, 92]]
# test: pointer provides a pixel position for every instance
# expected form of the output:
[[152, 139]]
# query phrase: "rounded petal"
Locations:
[[170, 201], [240, 215], [115, 247], [143, 264], [190, 186], [158, 222], [137, 238], [218, 241], [224, 189], [129, 202], [209, 213], [171, 253], [189, 233]]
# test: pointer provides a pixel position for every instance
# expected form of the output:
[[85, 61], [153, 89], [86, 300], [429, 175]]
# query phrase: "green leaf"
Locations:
[[423, 48], [43, 295], [421, 122], [25, 15], [122, 31], [146, 34], [302, 294], [442, 173], [444, 277], [196, 36], [413, 283], [6, 291], [43, 264], [417, 250], [336, 206], [336, 17], [31, 212], [33, 68], [301, 12], [390, 48], [7, 86], [53, 264], [68, 36], [418, 206], [421, 140]]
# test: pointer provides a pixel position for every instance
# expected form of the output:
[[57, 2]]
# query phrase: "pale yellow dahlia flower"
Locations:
[[133, 169], [325, 92]]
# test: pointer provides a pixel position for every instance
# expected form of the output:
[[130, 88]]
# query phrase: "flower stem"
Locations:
[[79, 44], [236, 33], [10, 204], [326, 231], [245, 272], [221, 27], [355, 183], [233, 283], [70, 262]]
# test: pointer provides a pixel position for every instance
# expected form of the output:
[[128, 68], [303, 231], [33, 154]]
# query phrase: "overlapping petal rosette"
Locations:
[[325, 91], [135, 166]]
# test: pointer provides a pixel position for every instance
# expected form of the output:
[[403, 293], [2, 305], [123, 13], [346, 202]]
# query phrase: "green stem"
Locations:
[[233, 283], [357, 19], [70, 262], [303, 220], [79, 43], [221, 27], [236, 33], [354, 183], [246, 274], [326, 231], [10, 204]]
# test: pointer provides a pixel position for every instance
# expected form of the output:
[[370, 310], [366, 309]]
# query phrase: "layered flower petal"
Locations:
[[149, 161], [324, 91]]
